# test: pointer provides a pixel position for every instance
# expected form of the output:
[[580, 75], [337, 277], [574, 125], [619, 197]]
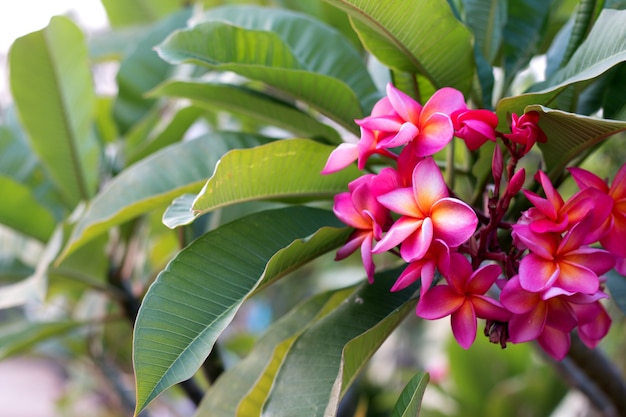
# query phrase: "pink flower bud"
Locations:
[[526, 131], [517, 182], [475, 127]]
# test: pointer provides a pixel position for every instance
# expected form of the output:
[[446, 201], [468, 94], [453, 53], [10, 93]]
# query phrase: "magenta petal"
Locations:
[[341, 157], [615, 238], [446, 100], [353, 243], [411, 274], [576, 278], [428, 184], [366, 257], [528, 326], [346, 212], [454, 221], [487, 308], [401, 229], [406, 133], [404, 105], [555, 342], [416, 245], [464, 325], [586, 179], [516, 299], [483, 278], [597, 260], [536, 274], [434, 135], [401, 201], [459, 273], [438, 302]]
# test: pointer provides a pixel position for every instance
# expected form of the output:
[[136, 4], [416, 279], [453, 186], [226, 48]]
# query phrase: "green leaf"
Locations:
[[197, 295], [142, 70], [18, 337], [410, 400], [279, 170], [327, 356], [617, 288], [51, 84], [486, 19], [242, 389], [155, 181], [604, 48], [242, 100], [179, 213], [569, 135], [136, 12], [21, 211], [415, 36], [284, 49]]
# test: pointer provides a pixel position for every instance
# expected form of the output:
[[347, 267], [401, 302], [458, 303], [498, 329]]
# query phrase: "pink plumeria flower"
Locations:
[[464, 299], [561, 263], [525, 131], [549, 320], [428, 213], [359, 209], [436, 258], [430, 127], [614, 228], [475, 127], [593, 322], [553, 214]]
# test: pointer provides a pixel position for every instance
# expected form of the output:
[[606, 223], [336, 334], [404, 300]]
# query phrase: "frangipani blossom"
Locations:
[[525, 131], [475, 127], [427, 214], [437, 258], [359, 209], [614, 228], [463, 299], [430, 127], [561, 263]]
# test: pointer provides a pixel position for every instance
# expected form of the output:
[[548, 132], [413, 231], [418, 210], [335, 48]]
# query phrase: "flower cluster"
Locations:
[[550, 279]]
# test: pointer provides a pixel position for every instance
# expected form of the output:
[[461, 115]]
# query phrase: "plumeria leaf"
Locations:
[[179, 213], [53, 92], [486, 20], [21, 211], [198, 294], [18, 337], [284, 49], [617, 287], [142, 70], [326, 358], [415, 36], [154, 182], [243, 389], [137, 12], [604, 48], [410, 400], [259, 106], [279, 170], [569, 135]]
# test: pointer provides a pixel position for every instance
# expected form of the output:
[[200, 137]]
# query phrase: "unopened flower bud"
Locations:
[[516, 182]]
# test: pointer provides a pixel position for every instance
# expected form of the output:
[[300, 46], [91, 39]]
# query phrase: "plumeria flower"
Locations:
[[553, 214], [464, 299], [430, 126], [359, 209], [561, 263], [428, 213], [549, 320], [614, 228], [525, 130], [475, 127]]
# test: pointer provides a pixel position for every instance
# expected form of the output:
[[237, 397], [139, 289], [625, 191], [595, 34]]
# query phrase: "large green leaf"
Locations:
[[53, 92], [21, 211], [136, 12], [410, 400], [420, 36], [142, 70], [242, 100], [569, 135], [240, 390], [279, 170], [154, 182], [326, 358], [287, 50], [604, 48], [486, 19], [199, 292], [17, 337]]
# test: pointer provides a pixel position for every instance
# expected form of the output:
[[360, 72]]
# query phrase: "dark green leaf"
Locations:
[[286, 50], [199, 292], [154, 182], [617, 288], [242, 100], [282, 169], [415, 36], [53, 92], [410, 400], [486, 19], [326, 358]]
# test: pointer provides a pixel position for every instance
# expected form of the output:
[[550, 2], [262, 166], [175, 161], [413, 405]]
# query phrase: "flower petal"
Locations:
[[483, 278], [528, 326], [434, 134], [555, 342], [406, 133], [454, 221], [516, 299], [399, 231], [577, 278], [438, 302], [401, 201], [404, 105], [464, 325], [490, 309], [537, 274], [417, 244], [428, 184], [446, 100], [342, 156]]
